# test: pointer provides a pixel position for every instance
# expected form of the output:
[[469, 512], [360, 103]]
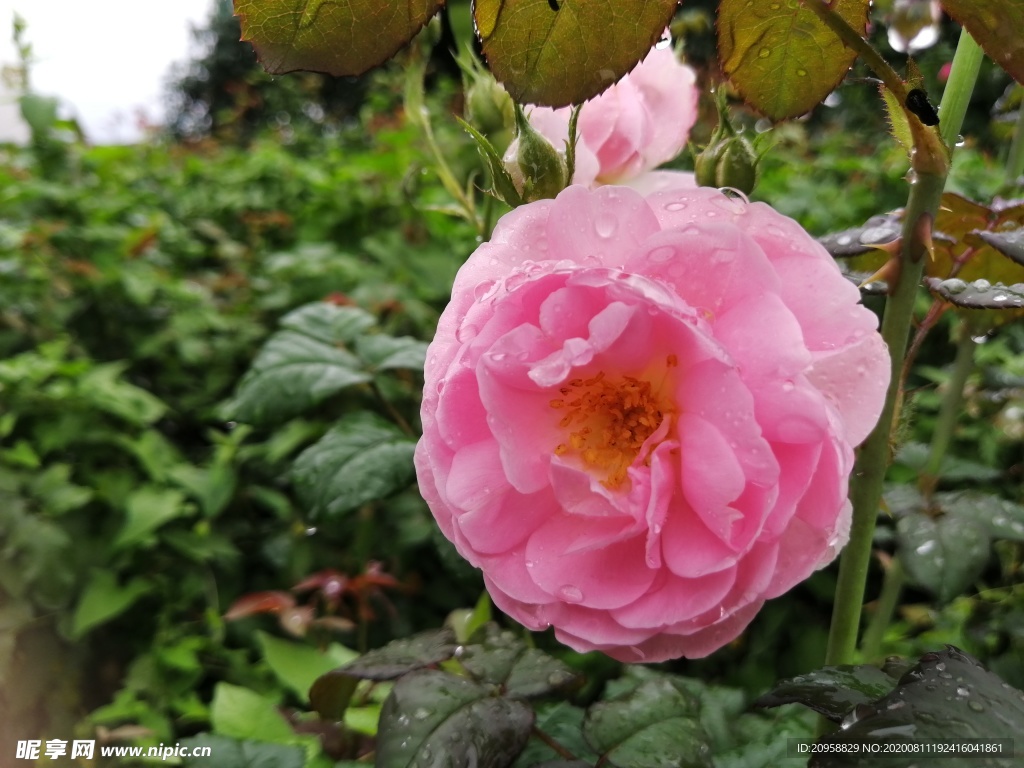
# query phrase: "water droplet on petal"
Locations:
[[605, 227], [676, 206], [571, 594]]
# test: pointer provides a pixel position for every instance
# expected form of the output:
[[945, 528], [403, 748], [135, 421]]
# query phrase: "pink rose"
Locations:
[[636, 125], [640, 412]]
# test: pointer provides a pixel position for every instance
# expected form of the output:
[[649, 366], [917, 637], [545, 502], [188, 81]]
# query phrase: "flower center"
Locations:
[[608, 419]]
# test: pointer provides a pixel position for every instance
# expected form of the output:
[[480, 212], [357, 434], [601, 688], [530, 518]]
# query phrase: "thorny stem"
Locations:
[[873, 460]]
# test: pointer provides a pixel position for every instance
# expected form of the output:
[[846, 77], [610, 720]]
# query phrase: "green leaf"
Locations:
[[503, 186], [431, 715], [213, 487], [947, 697], [328, 322], [943, 555], [558, 57], [57, 493], [403, 655], [298, 665], [996, 25], [146, 510], [330, 694], [652, 726], [244, 714], [381, 353], [502, 658], [232, 753], [104, 599], [1003, 519], [104, 388], [831, 691], [564, 723], [780, 57], [899, 125], [293, 372], [337, 38], [361, 459]]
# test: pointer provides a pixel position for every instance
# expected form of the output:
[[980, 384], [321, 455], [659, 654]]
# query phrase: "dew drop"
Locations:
[[959, 141], [675, 206], [924, 549], [664, 42], [982, 285], [662, 254], [605, 227], [953, 286], [764, 53], [844, 240], [961, 691], [482, 289], [788, 386], [571, 594], [801, 72], [530, 564], [977, 706], [1000, 297]]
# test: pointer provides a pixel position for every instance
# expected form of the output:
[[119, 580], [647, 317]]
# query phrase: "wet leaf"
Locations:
[[323, 36], [558, 57], [431, 715], [831, 691], [943, 555], [330, 694], [361, 459], [996, 25], [501, 658], [1010, 243], [293, 372], [980, 294], [328, 322], [401, 656], [948, 696], [1003, 519], [654, 725], [878, 230], [380, 353], [780, 57]]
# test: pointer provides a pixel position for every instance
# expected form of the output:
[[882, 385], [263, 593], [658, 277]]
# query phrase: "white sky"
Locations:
[[106, 59]]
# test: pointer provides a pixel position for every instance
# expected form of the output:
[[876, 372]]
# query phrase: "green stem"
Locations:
[[1015, 161], [885, 609], [873, 460], [957, 96], [949, 410]]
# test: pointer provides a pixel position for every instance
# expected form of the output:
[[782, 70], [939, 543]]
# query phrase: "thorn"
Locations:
[[889, 272], [923, 234]]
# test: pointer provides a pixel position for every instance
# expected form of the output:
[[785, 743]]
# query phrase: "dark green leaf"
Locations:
[[330, 694], [948, 696], [979, 294], [503, 186], [292, 373], [1003, 519], [782, 59], [943, 555], [337, 38], [996, 25], [104, 599], [361, 459], [558, 57], [328, 322], [404, 655], [1010, 243], [831, 691], [655, 725], [501, 658], [877, 230], [381, 352], [431, 715], [564, 723], [231, 753]]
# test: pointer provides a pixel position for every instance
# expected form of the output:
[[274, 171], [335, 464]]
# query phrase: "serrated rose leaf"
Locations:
[[979, 294], [361, 459], [431, 715], [401, 656], [326, 36], [780, 57], [996, 25], [501, 658], [946, 697], [831, 691], [553, 58]]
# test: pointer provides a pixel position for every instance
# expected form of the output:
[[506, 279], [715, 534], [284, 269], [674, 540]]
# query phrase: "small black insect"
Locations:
[[554, 5], [917, 102]]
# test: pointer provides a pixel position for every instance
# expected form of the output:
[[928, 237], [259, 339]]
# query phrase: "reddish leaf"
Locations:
[[259, 602]]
